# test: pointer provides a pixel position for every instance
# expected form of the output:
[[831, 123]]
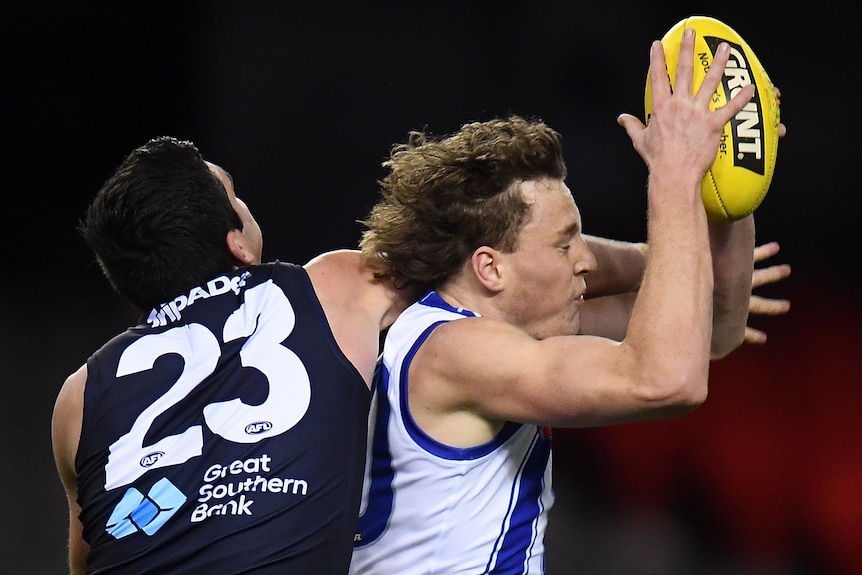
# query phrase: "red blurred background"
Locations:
[[769, 468]]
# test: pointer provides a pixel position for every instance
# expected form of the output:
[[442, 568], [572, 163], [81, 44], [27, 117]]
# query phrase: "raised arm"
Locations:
[[732, 248], [670, 331], [661, 368]]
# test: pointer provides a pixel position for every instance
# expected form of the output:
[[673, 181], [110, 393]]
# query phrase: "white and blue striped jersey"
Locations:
[[428, 508]]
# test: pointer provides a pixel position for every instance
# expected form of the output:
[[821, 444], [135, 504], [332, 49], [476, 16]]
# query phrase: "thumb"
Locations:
[[633, 126], [630, 123]]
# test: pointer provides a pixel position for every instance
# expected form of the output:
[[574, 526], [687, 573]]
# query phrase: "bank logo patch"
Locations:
[[136, 512]]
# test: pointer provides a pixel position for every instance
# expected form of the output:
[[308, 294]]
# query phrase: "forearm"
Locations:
[[620, 266], [671, 320], [732, 248], [671, 324], [607, 316]]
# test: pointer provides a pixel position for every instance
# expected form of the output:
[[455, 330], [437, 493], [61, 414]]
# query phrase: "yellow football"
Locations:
[[738, 180]]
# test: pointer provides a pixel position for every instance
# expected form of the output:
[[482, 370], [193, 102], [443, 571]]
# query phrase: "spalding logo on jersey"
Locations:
[[746, 125]]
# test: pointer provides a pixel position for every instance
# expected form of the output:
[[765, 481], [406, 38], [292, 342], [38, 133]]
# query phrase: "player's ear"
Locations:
[[486, 264], [236, 244]]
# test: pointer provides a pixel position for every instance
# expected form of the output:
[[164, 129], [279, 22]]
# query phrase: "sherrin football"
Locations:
[[738, 180]]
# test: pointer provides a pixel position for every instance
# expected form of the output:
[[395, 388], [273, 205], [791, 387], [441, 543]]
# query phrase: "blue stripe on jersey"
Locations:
[[433, 299], [425, 441], [372, 523], [514, 552]]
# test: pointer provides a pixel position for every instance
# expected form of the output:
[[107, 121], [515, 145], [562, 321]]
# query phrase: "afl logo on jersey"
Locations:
[[150, 459], [258, 427]]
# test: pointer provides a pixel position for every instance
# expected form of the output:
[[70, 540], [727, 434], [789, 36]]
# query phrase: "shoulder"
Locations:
[[337, 264], [473, 352], [357, 305], [341, 280], [338, 277], [70, 399], [458, 375]]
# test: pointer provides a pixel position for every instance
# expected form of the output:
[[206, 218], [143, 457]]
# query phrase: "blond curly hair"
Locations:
[[443, 198]]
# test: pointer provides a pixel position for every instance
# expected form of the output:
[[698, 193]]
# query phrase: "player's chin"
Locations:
[[564, 323], [573, 325]]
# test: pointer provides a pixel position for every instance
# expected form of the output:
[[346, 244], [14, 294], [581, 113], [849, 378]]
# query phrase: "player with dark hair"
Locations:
[[238, 406], [506, 343]]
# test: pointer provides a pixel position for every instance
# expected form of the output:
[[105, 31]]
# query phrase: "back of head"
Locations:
[[158, 225], [444, 198]]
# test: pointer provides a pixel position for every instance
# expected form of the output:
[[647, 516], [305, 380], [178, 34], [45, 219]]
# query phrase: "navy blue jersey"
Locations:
[[226, 433]]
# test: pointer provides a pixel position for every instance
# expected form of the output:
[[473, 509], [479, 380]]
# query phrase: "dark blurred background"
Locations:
[[301, 104]]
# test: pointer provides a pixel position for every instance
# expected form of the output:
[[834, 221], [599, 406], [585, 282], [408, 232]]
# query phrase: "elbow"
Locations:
[[720, 351], [697, 395], [689, 392], [725, 342], [680, 391]]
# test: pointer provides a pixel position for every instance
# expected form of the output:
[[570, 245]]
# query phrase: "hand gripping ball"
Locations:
[[740, 176]]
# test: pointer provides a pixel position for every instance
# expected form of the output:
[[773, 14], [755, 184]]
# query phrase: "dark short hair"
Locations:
[[443, 198], [158, 225]]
